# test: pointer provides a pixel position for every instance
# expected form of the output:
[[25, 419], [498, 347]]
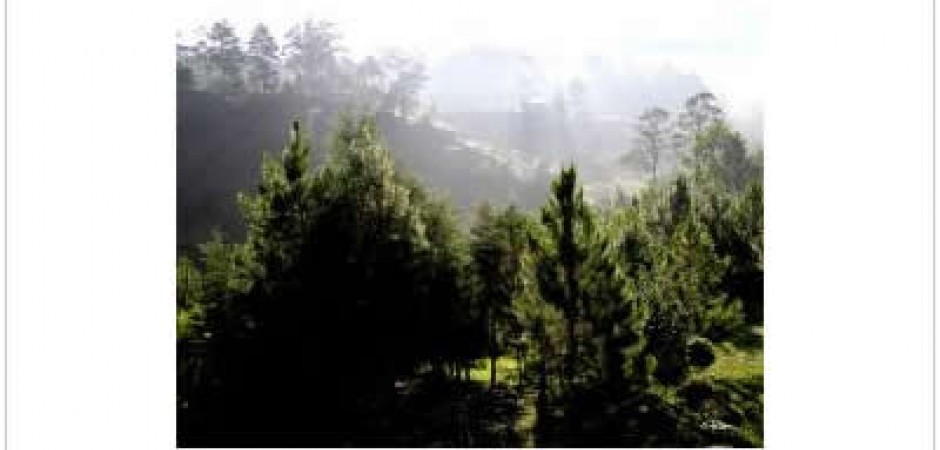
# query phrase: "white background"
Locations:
[[91, 224]]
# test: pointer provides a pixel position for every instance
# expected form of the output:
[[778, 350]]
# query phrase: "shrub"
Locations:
[[701, 352]]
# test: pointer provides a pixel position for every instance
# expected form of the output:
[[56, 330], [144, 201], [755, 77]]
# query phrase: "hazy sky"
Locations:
[[720, 40]]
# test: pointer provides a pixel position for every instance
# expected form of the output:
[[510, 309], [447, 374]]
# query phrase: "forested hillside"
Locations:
[[384, 281], [220, 142], [234, 97]]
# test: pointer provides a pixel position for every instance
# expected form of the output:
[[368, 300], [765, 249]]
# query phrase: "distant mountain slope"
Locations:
[[220, 142]]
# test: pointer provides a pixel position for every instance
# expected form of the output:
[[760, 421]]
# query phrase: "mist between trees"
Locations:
[[352, 306]]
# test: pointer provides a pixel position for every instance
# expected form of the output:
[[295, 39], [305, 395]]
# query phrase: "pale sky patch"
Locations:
[[720, 40]]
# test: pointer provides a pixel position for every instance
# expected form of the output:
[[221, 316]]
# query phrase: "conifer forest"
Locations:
[[372, 252]]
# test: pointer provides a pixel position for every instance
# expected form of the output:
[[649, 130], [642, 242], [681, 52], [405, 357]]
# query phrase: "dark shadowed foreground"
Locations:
[[358, 311]]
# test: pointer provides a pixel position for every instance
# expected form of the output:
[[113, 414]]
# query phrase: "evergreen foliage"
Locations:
[[357, 306]]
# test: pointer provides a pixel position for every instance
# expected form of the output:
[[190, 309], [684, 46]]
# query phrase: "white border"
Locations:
[[90, 220]]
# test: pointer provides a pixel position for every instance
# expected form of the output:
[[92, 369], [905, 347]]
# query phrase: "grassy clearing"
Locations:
[[507, 373], [507, 370], [735, 364], [737, 374], [738, 371], [740, 361]]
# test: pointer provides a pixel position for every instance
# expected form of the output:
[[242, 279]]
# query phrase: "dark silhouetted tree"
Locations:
[[652, 140], [185, 79], [569, 221], [226, 57], [263, 61], [499, 243], [370, 84], [407, 76], [720, 150], [700, 111], [310, 55]]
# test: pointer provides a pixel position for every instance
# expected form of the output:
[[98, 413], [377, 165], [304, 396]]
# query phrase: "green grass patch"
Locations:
[[735, 364], [738, 373], [507, 370]]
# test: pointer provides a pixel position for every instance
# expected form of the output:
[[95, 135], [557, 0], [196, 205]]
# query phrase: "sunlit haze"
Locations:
[[720, 41]]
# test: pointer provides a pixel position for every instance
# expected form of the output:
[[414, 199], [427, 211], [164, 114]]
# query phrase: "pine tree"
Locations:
[[310, 54], [569, 224], [275, 215], [263, 60], [652, 140], [719, 154], [618, 258], [700, 111], [226, 56], [498, 245]]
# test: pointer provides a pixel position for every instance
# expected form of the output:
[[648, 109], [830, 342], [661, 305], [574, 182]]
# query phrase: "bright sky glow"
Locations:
[[720, 40]]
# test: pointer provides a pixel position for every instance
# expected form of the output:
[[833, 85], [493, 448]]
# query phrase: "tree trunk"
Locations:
[[521, 362], [543, 381], [541, 401], [492, 369], [492, 323], [613, 361], [571, 356]]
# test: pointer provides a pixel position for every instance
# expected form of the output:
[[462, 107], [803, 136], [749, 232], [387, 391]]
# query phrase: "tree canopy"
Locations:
[[358, 308]]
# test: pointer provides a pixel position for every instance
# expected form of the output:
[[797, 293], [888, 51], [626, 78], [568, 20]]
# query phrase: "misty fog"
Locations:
[[478, 122]]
